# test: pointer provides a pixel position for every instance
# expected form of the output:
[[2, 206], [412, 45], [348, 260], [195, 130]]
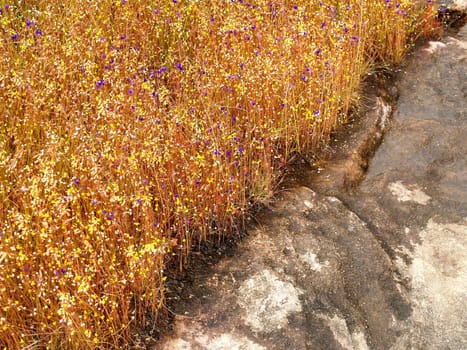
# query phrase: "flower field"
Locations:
[[130, 129]]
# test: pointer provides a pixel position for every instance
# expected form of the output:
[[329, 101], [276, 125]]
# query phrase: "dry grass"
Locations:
[[129, 129]]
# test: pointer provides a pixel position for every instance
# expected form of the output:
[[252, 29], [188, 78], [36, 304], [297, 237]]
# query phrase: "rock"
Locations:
[[459, 5]]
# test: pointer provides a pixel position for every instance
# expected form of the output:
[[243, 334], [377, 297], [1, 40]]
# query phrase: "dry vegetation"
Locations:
[[130, 129]]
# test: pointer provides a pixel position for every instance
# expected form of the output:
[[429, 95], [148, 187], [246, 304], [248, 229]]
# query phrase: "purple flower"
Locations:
[[217, 152], [303, 78], [323, 24], [240, 150], [7, 7], [100, 84], [234, 119], [295, 7], [179, 66], [76, 181], [130, 92], [15, 36], [318, 51], [355, 38], [30, 23]]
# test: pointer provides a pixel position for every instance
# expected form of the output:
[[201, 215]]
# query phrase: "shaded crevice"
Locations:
[[360, 158], [341, 166]]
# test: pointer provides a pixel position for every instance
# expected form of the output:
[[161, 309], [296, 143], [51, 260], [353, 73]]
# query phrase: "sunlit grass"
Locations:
[[130, 129]]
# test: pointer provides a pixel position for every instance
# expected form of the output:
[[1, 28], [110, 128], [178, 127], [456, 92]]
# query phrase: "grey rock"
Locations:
[[459, 5]]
